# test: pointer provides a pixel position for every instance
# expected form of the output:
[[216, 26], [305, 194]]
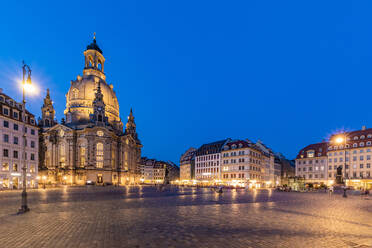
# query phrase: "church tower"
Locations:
[[99, 106], [94, 60], [47, 112], [130, 128]]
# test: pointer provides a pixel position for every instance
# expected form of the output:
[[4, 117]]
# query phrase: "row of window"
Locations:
[[16, 127], [16, 115], [15, 154], [361, 144], [207, 164], [311, 168], [207, 157], [361, 174], [208, 170], [16, 140], [355, 158], [311, 161], [330, 154], [15, 167], [241, 160], [226, 176], [361, 166]]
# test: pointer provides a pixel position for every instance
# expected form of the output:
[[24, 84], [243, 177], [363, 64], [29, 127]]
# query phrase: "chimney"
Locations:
[[363, 128], [1, 90]]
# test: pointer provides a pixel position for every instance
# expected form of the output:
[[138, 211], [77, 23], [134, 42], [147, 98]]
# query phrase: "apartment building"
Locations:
[[13, 146], [208, 161], [243, 164]]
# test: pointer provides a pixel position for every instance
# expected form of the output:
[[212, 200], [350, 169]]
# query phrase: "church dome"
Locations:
[[80, 97]]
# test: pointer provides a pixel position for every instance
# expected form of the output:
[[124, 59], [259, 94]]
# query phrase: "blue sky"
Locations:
[[287, 72]]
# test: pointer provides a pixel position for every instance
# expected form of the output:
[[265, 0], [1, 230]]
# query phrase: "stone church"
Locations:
[[89, 145]]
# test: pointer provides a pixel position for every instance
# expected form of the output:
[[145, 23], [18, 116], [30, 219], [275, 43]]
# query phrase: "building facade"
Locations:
[[312, 165], [13, 158], [345, 157], [89, 145], [158, 172], [208, 161], [242, 164], [187, 165]]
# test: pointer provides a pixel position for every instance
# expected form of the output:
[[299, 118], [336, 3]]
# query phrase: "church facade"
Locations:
[[89, 146]]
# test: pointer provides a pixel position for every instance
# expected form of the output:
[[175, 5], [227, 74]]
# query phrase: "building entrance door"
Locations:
[[99, 179], [15, 182]]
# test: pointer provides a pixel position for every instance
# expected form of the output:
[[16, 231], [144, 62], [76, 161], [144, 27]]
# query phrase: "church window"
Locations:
[[62, 155], [82, 156], [75, 93], [113, 158], [99, 155], [99, 66]]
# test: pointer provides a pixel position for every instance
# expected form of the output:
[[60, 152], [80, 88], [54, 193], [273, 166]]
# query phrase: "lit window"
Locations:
[[99, 157]]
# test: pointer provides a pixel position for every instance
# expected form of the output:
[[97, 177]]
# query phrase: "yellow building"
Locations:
[[90, 146]]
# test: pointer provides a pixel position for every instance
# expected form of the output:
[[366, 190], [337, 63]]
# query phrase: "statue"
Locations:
[[339, 175]]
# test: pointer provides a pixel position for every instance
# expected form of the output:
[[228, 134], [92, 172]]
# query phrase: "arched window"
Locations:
[[62, 155], [75, 93], [90, 62], [82, 155], [99, 155], [99, 66]]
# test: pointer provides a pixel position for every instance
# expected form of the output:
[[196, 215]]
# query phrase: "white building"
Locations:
[[311, 164], [208, 161], [11, 145]]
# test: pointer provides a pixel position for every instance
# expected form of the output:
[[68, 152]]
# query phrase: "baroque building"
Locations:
[[90, 145]]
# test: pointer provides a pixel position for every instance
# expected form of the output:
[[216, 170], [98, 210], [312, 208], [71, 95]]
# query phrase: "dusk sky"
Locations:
[[289, 73]]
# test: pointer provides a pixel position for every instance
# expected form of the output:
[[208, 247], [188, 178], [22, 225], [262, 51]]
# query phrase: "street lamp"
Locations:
[[340, 140], [26, 86]]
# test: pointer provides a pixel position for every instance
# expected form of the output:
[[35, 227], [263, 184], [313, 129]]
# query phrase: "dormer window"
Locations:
[[355, 145], [361, 144], [368, 143], [362, 137], [369, 136], [355, 137], [330, 148], [310, 154], [5, 111]]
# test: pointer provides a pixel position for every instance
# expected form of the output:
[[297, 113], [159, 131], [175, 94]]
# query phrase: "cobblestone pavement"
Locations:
[[143, 217]]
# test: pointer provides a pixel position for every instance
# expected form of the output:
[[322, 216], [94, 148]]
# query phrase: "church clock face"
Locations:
[[100, 133], [99, 109]]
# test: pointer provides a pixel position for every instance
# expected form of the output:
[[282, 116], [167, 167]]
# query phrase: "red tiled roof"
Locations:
[[320, 149]]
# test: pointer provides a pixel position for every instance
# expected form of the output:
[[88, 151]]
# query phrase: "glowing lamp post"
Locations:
[[26, 86], [340, 140]]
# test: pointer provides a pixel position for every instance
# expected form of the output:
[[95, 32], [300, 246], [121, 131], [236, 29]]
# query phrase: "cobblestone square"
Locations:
[[186, 217]]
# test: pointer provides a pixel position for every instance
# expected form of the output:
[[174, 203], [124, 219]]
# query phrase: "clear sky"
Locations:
[[287, 72]]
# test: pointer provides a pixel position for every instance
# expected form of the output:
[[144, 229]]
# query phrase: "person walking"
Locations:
[[330, 191]]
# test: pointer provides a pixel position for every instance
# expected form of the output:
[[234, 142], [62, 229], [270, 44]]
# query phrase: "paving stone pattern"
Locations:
[[185, 217]]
